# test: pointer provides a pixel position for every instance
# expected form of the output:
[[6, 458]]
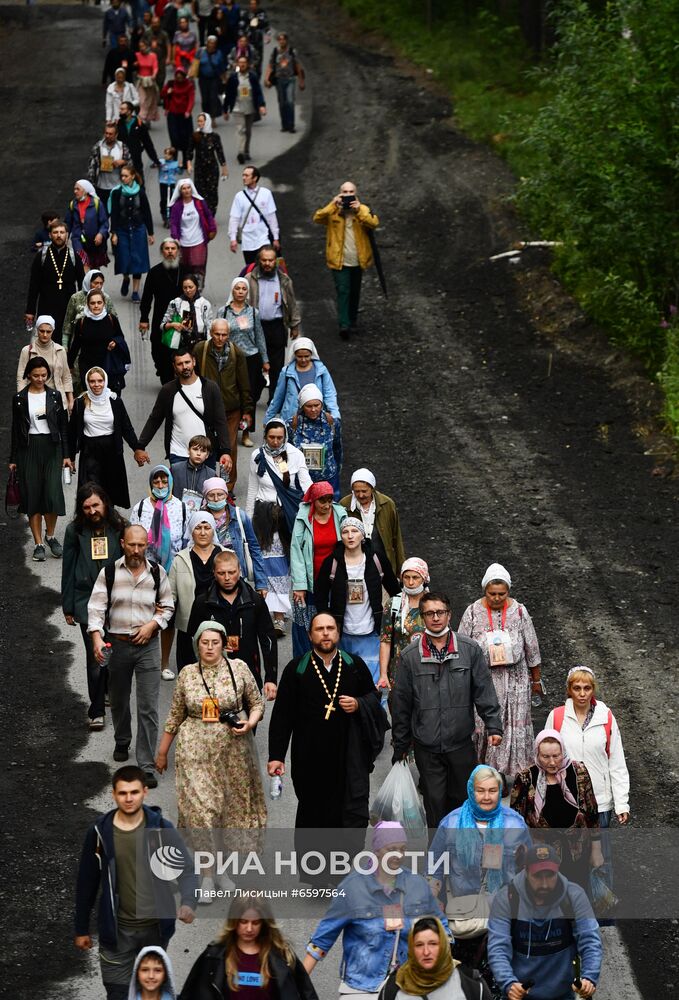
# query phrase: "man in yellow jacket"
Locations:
[[347, 250]]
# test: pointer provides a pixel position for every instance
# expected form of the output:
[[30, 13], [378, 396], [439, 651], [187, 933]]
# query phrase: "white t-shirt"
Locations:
[[255, 233], [185, 423], [358, 618], [98, 420], [192, 231], [37, 413]]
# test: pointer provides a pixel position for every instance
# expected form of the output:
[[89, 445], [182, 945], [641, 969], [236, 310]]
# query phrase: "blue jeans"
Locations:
[[286, 102]]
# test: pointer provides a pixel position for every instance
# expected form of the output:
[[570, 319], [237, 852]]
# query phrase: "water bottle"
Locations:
[[275, 786], [106, 654], [67, 476], [536, 697]]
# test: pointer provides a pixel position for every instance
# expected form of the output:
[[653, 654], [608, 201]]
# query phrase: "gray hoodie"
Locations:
[[169, 991]]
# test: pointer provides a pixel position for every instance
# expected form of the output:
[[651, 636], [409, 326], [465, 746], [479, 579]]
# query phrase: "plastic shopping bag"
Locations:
[[398, 800]]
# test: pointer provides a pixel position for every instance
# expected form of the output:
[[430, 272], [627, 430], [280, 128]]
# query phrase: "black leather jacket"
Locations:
[[21, 421]]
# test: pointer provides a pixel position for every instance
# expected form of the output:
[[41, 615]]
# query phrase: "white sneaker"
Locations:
[[167, 674], [207, 886]]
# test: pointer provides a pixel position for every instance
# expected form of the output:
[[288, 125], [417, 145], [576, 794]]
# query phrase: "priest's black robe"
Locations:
[[45, 298]]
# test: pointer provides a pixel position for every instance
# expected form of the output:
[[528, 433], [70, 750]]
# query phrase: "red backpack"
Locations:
[[608, 725]]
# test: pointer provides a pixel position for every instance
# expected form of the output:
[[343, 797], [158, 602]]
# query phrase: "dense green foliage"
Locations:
[[592, 133]]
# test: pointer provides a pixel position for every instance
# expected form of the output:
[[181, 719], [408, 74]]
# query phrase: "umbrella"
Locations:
[[378, 261]]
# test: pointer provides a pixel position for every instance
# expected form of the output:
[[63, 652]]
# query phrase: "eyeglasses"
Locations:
[[436, 613]]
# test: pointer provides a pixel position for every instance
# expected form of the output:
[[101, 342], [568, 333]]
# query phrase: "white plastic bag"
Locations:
[[398, 801]]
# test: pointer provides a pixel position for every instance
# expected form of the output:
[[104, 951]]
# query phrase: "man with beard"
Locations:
[[91, 541], [130, 604], [244, 614], [539, 925], [57, 273], [328, 704], [161, 285], [273, 294], [189, 405], [137, 138], [106, 158], [441, 678]]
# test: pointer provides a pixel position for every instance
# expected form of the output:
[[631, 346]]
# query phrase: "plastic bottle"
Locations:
[[106, 653], [67, 476], [275, 786]]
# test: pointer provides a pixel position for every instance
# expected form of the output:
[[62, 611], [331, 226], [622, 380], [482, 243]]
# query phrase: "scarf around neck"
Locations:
[[541, 787], [413, 979]]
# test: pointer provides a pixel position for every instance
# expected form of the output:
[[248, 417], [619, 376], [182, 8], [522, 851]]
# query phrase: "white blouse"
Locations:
[[262, 488]]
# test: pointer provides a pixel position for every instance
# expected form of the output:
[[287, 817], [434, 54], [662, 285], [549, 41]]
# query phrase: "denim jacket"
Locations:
[[358, 915]]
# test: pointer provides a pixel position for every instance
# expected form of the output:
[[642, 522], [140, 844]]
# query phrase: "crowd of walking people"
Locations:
[[222, 570]]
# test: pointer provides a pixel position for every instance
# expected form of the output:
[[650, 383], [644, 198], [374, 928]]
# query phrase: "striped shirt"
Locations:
[[133, 601]]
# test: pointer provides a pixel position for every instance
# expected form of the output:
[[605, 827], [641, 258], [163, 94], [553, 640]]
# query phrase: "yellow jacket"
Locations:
[[331, 216]]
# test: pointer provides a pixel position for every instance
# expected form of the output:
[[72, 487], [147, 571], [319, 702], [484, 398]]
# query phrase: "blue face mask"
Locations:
[[216, 504], [160, 492]]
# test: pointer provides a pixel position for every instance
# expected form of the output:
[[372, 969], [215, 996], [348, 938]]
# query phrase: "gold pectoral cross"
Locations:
[[329, 708]]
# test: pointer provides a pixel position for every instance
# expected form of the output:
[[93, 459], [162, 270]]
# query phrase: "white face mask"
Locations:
[[412, 591], [437, 635]]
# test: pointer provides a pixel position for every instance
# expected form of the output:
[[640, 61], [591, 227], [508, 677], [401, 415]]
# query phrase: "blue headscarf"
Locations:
[[467, 840]]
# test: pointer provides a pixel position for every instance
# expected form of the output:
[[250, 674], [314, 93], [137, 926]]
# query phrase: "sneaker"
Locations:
[[125, 287], [279, 626], [207, 886], [167, 674], [135, 297], [247, 441], [39, 553], [55, 547], [96, 725], [150, 779], [121, 753]]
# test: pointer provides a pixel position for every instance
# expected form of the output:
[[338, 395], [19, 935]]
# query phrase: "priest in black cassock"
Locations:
[[57, 273], [328, 704]]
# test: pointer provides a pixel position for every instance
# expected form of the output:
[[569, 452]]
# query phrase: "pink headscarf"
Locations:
[[315, 491], [541, 788], [415, 565]]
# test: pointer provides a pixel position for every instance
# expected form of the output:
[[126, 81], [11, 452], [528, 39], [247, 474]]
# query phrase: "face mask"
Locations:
[[438, 635], [412, 591], [160, 492], [274, 452], [216, 504]]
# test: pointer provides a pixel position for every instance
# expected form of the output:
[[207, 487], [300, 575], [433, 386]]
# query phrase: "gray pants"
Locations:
[[117, 963], [244, 132], [142, 663]]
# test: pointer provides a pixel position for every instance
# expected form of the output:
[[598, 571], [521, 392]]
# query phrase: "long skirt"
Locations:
[[99, 462], [207, 182], [194, 261], [277, 570], [148, 102], [39, 471], [365, 646], [132, 251], [515, 753], [301, 620]]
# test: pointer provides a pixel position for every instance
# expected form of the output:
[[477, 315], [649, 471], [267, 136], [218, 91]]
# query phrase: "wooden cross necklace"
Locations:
[[331, 697], [60, 276]]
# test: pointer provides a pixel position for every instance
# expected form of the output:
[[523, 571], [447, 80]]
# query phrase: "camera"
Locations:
[[347, 199], [229, 718]]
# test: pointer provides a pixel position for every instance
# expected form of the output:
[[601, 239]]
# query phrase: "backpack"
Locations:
[[608, 725], [109, 576], [43, 253]]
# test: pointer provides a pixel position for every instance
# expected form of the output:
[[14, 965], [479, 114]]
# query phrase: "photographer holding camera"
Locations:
[[215, 706], [348, 250]]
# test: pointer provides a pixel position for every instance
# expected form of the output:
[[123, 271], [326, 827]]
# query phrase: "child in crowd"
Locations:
[[152, 977], [42, 236], [190, 474], [168, 175]]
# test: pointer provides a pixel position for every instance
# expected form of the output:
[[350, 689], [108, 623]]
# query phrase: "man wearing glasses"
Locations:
[[441, 678]]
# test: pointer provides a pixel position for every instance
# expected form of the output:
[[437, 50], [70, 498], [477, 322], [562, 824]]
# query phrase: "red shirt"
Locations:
[[249, 974], [325, 540]]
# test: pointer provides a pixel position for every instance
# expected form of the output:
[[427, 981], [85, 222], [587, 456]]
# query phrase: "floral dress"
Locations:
[[512, 685], [218, 780], [326, 435], [399, 631]]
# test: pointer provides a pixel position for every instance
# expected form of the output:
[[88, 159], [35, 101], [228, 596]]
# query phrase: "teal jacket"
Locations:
[[302, 546], [79, 570]]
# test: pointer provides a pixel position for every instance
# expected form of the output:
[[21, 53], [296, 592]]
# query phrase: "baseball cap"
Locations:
[[542, 857]]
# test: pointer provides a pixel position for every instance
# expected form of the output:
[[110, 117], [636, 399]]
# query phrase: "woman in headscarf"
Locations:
[[278, 478], [152, 977], [306, 369], [379, 515], [39, 451], [206, 147], [402, 620], [55, 356], [215, 706], [245, 331], [147, 69], [131, 229], [315, 534], [431, 969], [93, 281], [556, 798], [234, 531], [504, 630], [191, 575], [193, 225], [178, 97], [470, 837], [97, 429], [189, 315], [117, 92], [87, 223], [349, 585], [318, 435], [98, 342]]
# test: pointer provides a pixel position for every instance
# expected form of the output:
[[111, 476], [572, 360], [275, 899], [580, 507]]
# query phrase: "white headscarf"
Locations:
[[201, 517], [90, 276], [103, 399], [364, 476], [49, 320], [496, 572], [238, 281], [88, 187], [309, 393], [207, 127], [176, 194], [90, 315], [304, 344]]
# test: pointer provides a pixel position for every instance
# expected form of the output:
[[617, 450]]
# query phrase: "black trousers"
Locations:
[[443, 780], [162, 358], [276, 336]]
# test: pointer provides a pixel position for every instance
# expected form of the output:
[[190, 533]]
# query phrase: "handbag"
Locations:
[[194, 69], [468, 915], [12, 495]]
